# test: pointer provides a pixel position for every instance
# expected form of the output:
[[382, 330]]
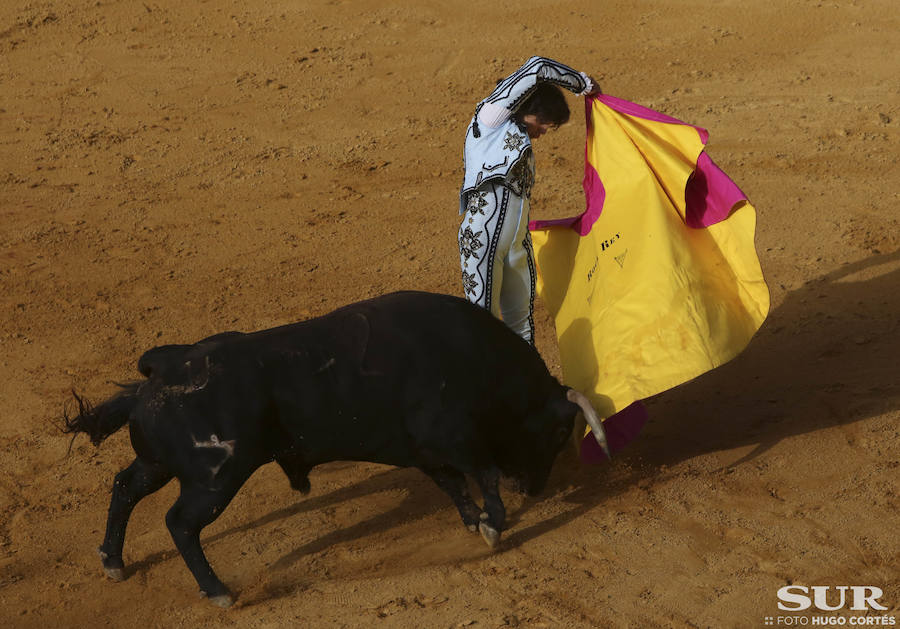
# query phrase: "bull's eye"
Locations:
[[561, 434]]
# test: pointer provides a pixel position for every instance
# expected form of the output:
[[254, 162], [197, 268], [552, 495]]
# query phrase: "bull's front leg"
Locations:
[[453, 482], [135, 482], [493, 518]]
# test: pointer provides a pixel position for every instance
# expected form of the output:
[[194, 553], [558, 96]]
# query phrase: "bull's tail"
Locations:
[[99, 422]]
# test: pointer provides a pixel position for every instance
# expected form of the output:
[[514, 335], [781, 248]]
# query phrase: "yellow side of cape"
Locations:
[[643, 302]]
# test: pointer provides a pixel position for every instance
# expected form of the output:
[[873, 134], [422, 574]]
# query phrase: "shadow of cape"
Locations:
[[827, 356]]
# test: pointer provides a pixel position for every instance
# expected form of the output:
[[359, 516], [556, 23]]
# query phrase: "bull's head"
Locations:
[[547, 433]]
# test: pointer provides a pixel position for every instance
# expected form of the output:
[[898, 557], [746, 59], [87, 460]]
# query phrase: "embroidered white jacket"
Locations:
[[496, 147]]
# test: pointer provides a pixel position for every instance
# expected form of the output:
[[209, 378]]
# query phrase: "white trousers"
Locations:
[[497, 258]]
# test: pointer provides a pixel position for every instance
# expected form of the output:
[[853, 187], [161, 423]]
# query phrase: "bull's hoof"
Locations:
[[301, 485], [113, 567], [225, 599], [490, 535], [222, 600]]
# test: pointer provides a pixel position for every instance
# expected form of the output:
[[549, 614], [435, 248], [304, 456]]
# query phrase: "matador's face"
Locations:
[[535, 127]]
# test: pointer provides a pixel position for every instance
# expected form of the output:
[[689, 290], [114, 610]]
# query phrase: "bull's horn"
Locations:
[[591, 417]]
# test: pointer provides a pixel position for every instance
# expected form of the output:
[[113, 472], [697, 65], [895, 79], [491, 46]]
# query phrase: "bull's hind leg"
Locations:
[[136, 481], [453, 482], [493, 518], [196, 507]]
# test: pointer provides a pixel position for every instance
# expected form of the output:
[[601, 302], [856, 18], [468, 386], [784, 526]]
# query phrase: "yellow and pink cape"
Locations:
[[658, 281]]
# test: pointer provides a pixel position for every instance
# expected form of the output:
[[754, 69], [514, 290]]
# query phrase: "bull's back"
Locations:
[[433, 349], [388, 378]]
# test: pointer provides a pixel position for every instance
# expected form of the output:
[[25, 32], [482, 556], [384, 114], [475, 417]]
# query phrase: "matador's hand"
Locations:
[[593, 88]]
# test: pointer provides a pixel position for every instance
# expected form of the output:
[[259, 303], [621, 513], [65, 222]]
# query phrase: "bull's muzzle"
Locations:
[[591, 417]]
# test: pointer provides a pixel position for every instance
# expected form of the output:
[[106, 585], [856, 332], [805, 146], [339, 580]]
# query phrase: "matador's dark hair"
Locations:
[[547, 103]]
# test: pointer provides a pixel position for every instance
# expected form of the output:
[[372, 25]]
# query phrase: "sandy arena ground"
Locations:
[[175, 169]]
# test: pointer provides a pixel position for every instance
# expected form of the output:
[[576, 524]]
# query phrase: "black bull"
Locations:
[[408, 379]]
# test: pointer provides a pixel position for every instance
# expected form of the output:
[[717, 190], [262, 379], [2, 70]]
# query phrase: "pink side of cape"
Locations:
[[621, 429], [710, 194]]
